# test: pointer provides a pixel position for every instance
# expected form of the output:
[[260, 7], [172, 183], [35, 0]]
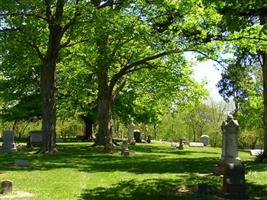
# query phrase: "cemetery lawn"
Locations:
[[153, 171]]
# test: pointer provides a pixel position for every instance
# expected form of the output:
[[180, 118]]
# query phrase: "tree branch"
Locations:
[[23, 14], [128, 68], [117, 91]]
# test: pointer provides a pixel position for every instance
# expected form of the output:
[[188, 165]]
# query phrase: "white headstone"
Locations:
[[196, 144], [230, 134], [256, 152]]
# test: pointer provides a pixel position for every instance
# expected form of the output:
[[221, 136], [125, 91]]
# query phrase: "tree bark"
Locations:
[[88, 131], [104, 136], [263, 20], [48, 92], [264, 73], [48, 87]]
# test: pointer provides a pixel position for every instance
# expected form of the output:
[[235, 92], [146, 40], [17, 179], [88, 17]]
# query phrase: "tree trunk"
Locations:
[[263, 20], [104, 136], [48, 92], [88, 131], [264, 73], [48, 89]]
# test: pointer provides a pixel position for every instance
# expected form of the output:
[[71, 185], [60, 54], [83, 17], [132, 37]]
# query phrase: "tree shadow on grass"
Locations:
[[150, 148], [84, 158], [149, 189], [256, 191]]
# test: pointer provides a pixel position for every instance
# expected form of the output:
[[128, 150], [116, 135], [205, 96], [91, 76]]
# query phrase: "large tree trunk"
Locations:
[[263, 20], [104, 136], [48, 92], [48, 88], [264, 72]]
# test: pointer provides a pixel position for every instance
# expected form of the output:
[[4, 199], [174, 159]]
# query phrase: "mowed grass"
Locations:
[[152, 171]]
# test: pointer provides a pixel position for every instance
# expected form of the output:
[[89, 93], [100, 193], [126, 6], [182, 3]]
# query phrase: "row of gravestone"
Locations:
[[35, 139]]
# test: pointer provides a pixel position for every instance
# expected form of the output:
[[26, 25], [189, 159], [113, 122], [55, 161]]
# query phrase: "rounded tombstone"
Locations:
[[205, 139], [6, 187]]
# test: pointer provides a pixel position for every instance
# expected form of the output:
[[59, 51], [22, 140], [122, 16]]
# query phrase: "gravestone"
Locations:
[[234, 182], [125, 150], [22, 163], [131, 133], [137, 136], [8, 141], [6, 187], [256, 152], [205, 140], [174, 144], [36, 138], [231, 166], [196, 144], [231, 131]]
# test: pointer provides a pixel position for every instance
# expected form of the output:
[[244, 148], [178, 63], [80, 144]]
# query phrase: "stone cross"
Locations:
[[8, 141], [6, 187], [230, 131]]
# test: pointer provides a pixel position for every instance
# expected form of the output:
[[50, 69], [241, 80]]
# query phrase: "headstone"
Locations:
[[205, 140], [256, 152], [231, 167], [125, 150], [196, 144], [137, 136], [131, 132], [22, 163], [36, 138], [8, 141], [6, 187], [230, 131], [174, 144]]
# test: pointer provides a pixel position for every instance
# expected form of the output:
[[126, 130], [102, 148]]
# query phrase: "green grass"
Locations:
[[153, 171]]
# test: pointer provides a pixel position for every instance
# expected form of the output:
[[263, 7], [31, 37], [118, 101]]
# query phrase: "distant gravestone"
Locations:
[[22, 163], [36, 138], [174, 144], [137, 136], [125, 150], [256, 152], [8, 141], [6, 187], [196, 144], [131, 133], [205, 140]]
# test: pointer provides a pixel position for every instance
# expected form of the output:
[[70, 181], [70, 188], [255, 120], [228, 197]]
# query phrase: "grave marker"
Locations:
[[196, 144], [8, 141]]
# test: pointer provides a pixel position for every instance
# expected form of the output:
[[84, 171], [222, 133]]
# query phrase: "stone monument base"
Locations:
[[234, 186]]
